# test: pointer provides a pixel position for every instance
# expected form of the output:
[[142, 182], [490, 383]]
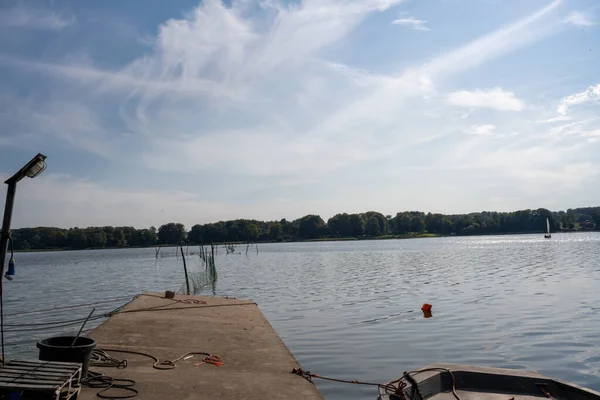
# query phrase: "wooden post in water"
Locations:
[[187, 281]]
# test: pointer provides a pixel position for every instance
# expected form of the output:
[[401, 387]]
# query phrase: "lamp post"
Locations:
[[32, 169]]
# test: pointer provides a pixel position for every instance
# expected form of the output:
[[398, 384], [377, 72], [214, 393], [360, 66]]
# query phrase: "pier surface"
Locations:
[[257, 364]]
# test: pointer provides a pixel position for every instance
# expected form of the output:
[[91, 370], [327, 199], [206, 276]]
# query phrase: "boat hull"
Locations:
[[470, 383]]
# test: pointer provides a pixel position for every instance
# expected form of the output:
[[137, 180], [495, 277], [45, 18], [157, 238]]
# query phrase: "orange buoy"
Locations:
[[426, 307]]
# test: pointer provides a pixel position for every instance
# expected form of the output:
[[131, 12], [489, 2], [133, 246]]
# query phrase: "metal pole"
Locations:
[[4, 235], [8, 209]]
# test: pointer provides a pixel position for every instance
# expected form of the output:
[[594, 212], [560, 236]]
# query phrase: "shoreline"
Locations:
[[318, 240]]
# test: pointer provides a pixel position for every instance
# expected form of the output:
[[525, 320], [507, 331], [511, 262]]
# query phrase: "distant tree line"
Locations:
[[364, 225]]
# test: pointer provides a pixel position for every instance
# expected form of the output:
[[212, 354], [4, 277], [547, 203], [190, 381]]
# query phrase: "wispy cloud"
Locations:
[[35, 17], [558, 118], [259, 95], [590, 95], [495, 98], [240, 69], [66, 122], [483, 129], [412, 22], [579, 19], [509, 38]]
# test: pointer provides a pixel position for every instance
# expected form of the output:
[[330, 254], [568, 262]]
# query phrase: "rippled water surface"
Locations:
[[352, 309]]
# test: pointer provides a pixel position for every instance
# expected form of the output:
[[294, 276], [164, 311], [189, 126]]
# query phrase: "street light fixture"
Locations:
[[33, 168]]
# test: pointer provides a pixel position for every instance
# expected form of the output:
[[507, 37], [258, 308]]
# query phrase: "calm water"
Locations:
[[352, 309]]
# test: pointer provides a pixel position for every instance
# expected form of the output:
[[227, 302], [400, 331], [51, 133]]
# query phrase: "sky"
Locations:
[[152, 111]]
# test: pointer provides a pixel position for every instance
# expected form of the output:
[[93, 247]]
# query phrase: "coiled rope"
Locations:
[[96, 380], [102, 358]]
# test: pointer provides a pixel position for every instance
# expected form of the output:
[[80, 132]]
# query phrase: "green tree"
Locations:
[[339, 225], [416, 224], [119, 237], [434, 223], [36, 241], [373, 228], [251, 231], [77, 239], [402, 223], [147, 237], [289, 229], [171, 233], [195, 236], [381, 220], [310, 226], [275, 230], [357, 225], [98, 239]]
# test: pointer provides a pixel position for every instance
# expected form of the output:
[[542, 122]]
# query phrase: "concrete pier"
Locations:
[[257, 364]]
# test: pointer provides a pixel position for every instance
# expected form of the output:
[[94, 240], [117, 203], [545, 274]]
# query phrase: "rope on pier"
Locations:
[[68, 307], [189, 304], [101, 358], [309, 376], [96, 380]]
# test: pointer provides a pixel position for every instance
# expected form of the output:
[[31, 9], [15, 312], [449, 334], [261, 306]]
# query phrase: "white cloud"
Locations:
[[412, 22], [64, 121], [233, 54], [594, 133], [579, 19], [34, 17], [590, 95], [511, 37], [225, 93], [482, 129], [219, 66], [585, 128], [558, 118], [495, 98]]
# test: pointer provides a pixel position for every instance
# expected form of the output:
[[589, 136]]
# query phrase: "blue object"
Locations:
[[16, 395], [11, 269]]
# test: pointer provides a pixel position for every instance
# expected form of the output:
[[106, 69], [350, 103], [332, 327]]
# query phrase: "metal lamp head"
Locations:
[[33, 168], [36, 169]]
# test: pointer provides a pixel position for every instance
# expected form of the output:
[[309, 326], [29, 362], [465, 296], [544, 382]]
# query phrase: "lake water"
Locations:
[[352, 309]]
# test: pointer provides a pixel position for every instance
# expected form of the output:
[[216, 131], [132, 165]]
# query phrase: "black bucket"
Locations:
[[59, 349]]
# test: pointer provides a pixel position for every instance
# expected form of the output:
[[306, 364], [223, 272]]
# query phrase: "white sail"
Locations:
[[548, 225]]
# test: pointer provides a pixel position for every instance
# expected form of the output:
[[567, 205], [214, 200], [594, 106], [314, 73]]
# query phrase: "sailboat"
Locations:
[[547, 235]]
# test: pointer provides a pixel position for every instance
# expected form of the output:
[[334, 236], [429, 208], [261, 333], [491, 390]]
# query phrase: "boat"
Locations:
[[547, 235], [463, 382]]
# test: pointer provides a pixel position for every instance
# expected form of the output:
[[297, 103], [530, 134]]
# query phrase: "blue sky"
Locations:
[[153, 111]]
